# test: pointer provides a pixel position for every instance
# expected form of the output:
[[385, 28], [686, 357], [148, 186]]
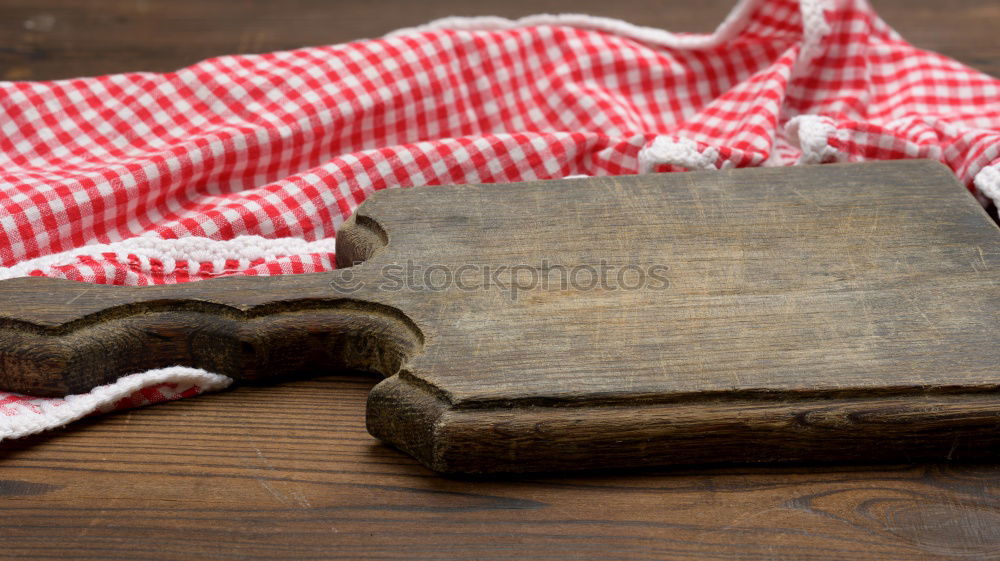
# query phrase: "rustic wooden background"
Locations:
[[288, 472], [49, 39]]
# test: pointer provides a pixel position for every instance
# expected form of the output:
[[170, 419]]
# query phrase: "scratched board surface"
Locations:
[[771, 314], [810, 279]]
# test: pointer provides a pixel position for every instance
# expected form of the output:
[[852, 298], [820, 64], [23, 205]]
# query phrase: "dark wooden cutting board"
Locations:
[[812, 313]]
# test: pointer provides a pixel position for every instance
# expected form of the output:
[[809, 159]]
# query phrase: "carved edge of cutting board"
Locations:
[[411, 416], [265, 342]]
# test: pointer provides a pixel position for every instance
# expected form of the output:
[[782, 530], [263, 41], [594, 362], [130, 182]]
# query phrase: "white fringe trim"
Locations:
[[170, 251], [987, 182], [676, 151], [729, 28], [814, 27], [52, 413], [811, 134]]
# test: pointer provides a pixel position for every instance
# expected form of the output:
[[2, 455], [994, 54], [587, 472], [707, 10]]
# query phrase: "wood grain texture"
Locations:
[[61, 337], [807, 317], [288, 472], [189, 480], [819, 312], [51, 39]]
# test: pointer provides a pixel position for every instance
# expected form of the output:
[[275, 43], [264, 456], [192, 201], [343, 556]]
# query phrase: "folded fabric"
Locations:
[[247, 164]]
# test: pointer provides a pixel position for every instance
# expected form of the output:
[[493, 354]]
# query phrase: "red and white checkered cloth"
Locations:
[[247, 164]]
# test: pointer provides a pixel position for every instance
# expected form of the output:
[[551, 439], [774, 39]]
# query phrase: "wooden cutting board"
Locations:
[[815, 313]]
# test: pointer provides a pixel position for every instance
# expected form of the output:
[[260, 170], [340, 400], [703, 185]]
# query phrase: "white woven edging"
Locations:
[[811, 134], [987, 182], [170, 251], [52, 413], [814, 26], [729, 28], [676, 151]]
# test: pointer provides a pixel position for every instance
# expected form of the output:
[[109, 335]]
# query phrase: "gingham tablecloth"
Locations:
[[247, 164]]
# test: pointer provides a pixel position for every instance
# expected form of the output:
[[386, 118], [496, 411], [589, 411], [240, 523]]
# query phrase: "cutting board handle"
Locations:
[[123, 330], [60, 337]]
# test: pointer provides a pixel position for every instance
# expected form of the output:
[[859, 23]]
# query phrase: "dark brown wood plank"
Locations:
[[50, 39], [289, 472]]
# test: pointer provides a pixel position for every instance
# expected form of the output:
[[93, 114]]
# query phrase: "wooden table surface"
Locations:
[[288, 472]]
